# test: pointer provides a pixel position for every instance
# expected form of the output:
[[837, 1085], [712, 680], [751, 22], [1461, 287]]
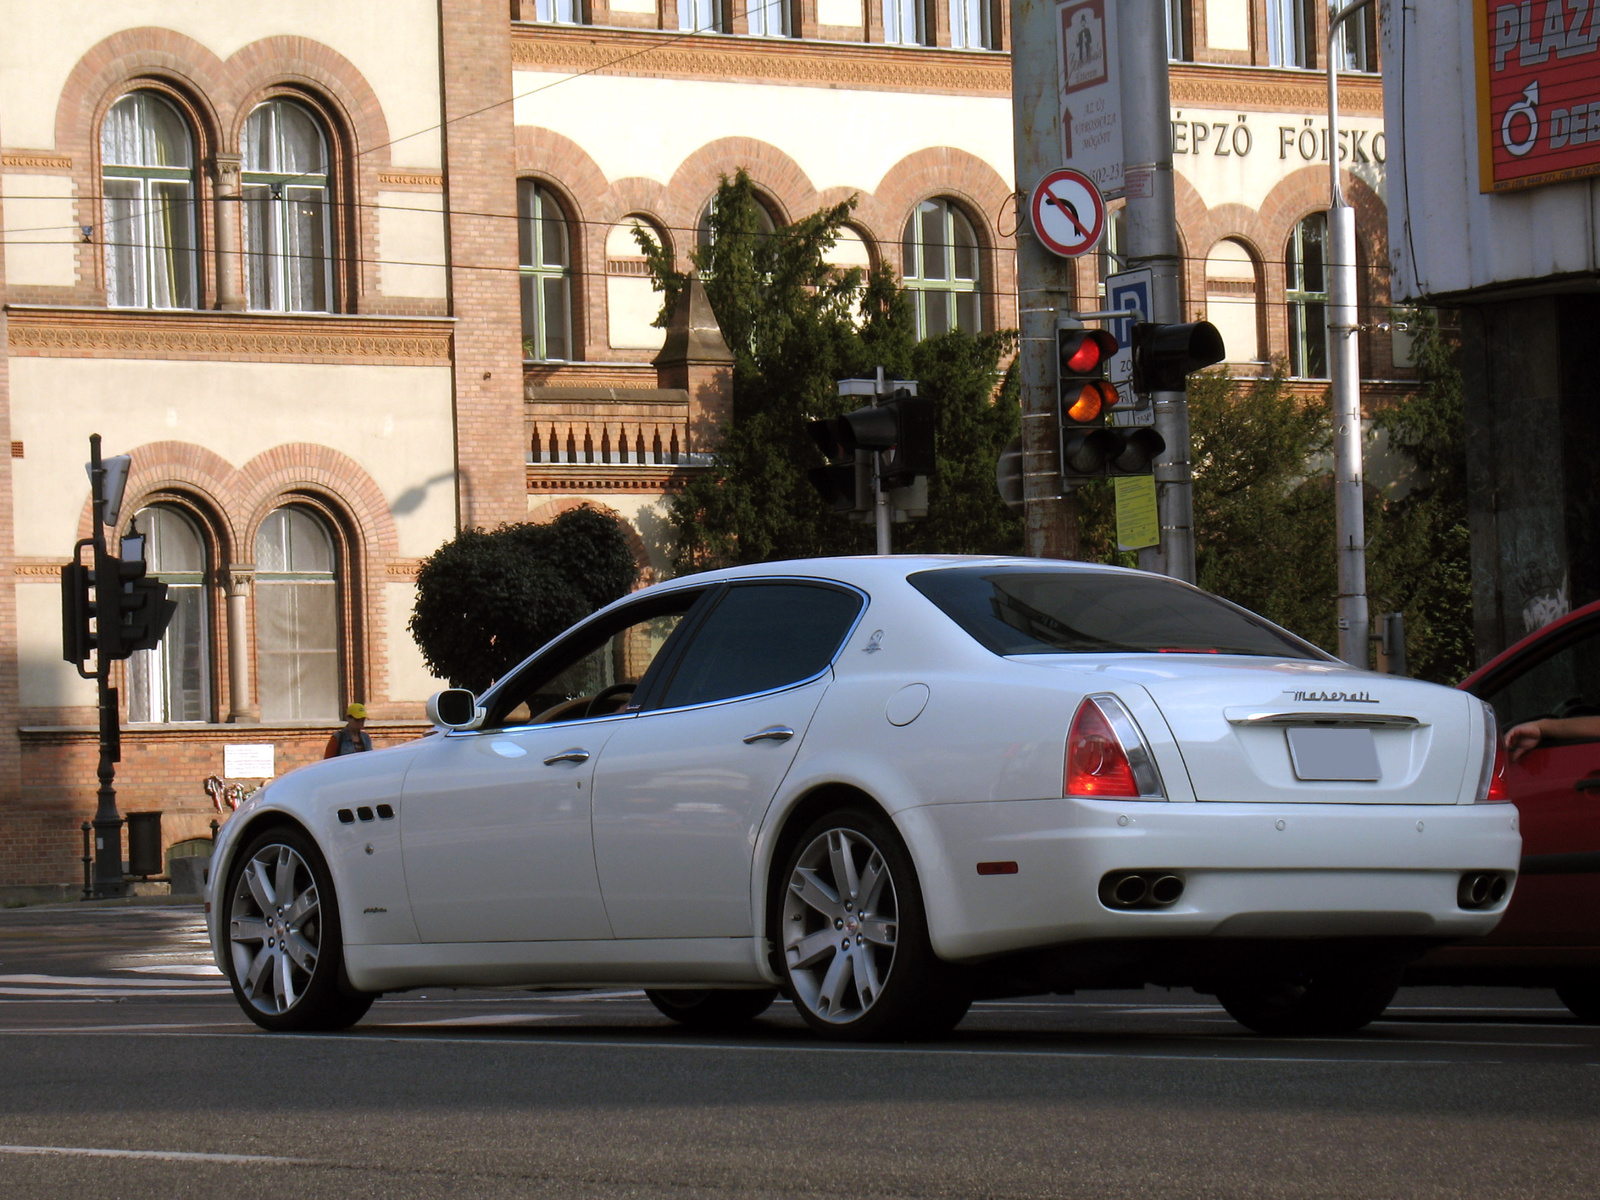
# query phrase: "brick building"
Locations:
[[344, 289]]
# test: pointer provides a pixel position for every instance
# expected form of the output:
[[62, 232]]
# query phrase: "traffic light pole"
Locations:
[[1044, 282], [1344, 378], [108, 880], [882, 511], [1151, 226]]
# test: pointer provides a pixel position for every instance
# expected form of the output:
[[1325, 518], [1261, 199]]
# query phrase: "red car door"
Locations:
[[1556, 786]]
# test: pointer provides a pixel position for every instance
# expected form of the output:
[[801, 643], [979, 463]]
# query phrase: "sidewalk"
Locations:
[[69, 894]]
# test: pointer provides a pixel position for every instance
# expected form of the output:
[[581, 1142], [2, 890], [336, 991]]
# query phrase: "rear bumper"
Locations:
[[1330, 871]]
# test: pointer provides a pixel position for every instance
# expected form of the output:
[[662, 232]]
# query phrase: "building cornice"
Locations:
[[877, 67], [50, 332]]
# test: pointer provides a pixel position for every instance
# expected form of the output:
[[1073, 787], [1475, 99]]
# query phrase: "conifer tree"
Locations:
[[796, 325]]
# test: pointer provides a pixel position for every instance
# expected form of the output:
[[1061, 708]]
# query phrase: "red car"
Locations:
[[1550, 936]]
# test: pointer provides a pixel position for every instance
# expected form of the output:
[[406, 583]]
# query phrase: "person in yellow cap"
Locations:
[[352, 739]]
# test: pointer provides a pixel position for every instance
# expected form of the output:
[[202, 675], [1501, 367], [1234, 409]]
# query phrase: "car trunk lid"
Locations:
[[1276, 731]]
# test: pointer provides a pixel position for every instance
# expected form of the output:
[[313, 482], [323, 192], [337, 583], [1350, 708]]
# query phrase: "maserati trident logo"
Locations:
[[1332, 697]]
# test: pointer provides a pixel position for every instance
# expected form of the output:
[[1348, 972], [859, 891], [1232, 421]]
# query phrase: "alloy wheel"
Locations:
[[840, 924], [275, 929]]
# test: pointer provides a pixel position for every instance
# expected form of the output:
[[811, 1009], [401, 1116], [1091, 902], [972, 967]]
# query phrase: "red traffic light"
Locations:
[[1084, 351]]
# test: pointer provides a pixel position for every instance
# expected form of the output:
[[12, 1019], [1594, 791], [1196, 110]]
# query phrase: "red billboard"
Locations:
[[1538, 65]]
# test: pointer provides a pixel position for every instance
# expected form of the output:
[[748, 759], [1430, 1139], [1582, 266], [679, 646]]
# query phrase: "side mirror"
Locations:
[[455, 708]]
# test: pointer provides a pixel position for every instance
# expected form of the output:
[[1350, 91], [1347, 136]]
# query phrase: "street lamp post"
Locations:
[[1344, 374]]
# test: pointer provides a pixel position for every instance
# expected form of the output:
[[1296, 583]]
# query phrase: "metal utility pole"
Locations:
[[1044, 281], [1344, 375], [108, 879], [1151, 229]]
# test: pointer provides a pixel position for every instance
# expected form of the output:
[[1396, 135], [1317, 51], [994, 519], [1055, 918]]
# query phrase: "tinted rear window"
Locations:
[[1021, 610]]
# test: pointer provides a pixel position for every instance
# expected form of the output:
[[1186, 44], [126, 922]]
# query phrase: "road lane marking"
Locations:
[[81, 981], [161, 1155], [486, 1019], [180, 969]]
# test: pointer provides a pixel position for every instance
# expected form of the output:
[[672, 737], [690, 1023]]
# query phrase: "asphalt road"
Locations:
[[126, 1070]]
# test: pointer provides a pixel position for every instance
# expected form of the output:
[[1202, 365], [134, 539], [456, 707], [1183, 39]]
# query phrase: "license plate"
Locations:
[[1343, 754]]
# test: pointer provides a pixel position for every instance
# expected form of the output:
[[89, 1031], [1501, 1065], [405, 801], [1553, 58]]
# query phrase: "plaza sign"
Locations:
[[1538, 68]]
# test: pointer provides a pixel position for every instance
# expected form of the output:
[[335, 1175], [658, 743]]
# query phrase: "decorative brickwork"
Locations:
[[484, 290], [228, 337]]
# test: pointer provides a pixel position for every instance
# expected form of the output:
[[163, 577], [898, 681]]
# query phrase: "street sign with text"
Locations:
[[1091, 91]]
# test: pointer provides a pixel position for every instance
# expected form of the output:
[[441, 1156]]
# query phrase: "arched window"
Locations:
[[1291, 26], [297, 617], [905, 23], [972, 25], [546, 257], [631, 301], [1113, 246], [703, 16], [286, 212], [1306, 291], [147, 159], [1233, 299], [941, 269], [767, 18], [559, 12], [173, 681]]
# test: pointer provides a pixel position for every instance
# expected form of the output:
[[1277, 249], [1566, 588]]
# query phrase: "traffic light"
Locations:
[[1089, 448], [900, 429], [1165, 355], [76, 641], [845, 483], [135, 613]]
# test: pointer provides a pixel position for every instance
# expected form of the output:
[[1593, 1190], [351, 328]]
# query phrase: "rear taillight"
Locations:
[[1106, 755], [1492, 787]]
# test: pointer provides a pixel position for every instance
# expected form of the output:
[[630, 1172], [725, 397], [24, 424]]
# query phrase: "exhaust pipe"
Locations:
[[1126, 890], [1129, 891], [1481, 889]]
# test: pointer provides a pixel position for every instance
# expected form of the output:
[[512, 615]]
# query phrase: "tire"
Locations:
[[1581, 994], [856, 959], [712, 1010], [1333, 999], [285, 953]]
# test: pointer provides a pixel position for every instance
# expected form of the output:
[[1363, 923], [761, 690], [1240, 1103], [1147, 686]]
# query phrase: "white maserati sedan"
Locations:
[[886, 787]]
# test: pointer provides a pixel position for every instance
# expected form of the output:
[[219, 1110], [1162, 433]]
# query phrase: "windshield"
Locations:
[[1025, 610]]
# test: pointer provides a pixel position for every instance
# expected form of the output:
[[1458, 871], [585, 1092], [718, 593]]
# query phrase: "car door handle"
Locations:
[[1591, 784], [772, 733], [576, 755]]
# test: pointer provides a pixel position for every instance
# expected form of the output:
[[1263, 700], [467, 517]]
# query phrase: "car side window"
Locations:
[[1564, 683], [595, 669], [761, 637]]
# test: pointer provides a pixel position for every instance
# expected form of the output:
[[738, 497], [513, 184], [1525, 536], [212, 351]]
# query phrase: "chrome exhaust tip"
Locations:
[[1481, 889], [1140, 889], [1165, 890]]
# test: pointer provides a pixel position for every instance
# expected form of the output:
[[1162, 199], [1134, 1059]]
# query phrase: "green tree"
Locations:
[[795, 325], [1421, 563], [1263, 506], [488, 599]]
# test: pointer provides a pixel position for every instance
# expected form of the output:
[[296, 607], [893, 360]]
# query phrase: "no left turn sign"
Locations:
[[1068, 214]]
